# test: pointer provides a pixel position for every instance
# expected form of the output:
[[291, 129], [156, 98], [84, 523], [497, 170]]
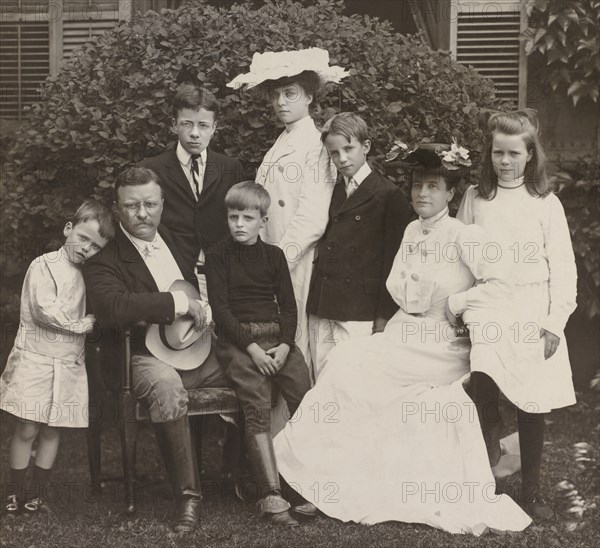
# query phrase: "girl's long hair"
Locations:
[[520, 122]]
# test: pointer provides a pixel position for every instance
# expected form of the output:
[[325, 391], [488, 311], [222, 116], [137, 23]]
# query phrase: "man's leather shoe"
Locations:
[[188, 514]]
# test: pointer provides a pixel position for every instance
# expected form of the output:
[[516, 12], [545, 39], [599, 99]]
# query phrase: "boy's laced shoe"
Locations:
[[33, 506], [306, 510], [11, 508]]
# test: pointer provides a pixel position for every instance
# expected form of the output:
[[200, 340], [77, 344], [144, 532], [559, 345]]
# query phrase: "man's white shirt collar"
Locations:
[[143, 246]]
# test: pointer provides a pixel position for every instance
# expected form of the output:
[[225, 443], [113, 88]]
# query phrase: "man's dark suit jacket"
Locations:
[[356, 253], [195, 225], [121, 291]]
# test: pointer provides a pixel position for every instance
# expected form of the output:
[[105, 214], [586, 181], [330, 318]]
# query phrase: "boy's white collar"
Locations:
[[184, 156], [360, 175]]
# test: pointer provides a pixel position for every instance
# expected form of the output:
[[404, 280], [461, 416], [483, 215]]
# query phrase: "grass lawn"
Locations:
[[83, 518]]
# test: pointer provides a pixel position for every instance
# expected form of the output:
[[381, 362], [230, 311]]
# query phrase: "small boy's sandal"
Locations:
[[538, 510], [11, 508], [306, 510], [36, 505]]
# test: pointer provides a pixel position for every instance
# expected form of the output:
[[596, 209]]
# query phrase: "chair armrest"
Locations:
[[127, 380]]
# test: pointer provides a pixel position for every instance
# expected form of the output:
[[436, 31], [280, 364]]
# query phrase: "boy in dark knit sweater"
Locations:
[[255, 313]]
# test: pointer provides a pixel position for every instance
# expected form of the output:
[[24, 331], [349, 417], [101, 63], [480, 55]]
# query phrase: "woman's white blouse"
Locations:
[[441, 260]]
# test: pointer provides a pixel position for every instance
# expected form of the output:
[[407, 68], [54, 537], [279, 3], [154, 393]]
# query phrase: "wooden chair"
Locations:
[[131, 411]]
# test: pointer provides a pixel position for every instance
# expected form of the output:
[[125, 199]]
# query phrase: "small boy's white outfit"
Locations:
[[45, 378]]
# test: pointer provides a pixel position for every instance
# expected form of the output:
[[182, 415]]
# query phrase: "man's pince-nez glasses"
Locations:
[[134, 207]]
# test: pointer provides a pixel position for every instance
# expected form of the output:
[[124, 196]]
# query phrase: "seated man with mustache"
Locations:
[[128, 283]]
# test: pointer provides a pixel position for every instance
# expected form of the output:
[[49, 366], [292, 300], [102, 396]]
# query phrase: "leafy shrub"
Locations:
[[578, 187], [109, 106], [565, 33]]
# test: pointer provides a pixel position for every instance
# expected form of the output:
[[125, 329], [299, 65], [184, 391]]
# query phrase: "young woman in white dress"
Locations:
[[527, 224], [297, 170], [388, 432]]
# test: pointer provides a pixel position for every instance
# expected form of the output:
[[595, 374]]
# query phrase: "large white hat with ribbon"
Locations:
[[274, 65]]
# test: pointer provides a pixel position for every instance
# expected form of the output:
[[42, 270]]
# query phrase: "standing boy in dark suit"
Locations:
[[195, 178], [367, 218]]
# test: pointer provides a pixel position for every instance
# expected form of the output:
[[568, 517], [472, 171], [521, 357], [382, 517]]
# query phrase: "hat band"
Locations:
[[164, 340]]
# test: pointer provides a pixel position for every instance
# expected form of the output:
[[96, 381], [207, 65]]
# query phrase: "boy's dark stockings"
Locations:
[[41, 476], [18, 480]]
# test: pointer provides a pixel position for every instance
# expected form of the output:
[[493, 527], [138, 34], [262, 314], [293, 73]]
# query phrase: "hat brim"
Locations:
[[251, 80], [269, 66], [192, 355], [185, 359]]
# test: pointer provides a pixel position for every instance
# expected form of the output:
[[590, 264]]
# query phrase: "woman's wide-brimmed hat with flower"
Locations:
[[432, 155], [275, 65]]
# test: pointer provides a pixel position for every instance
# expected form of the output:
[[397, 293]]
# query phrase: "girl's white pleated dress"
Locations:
[[531, 237]]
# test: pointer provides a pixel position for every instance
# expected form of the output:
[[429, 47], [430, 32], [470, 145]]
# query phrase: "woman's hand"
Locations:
[[265, 363], [551, 342]]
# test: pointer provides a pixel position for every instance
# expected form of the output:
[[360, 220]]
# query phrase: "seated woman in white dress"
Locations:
[[388, 432]]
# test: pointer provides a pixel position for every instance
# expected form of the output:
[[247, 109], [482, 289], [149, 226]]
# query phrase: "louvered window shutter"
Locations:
[[24, 57], [86, 19], [485, 35], [36, 35]]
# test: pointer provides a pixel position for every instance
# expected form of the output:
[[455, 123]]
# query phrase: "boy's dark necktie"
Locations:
[[196, 174]]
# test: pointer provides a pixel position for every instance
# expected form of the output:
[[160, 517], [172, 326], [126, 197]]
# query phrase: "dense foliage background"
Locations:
[[110, 106], [566, 34]]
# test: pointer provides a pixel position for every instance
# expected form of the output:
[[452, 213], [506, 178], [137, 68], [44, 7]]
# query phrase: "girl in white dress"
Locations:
[[388, 432], [527, 224], [45, 382], [297, 170]]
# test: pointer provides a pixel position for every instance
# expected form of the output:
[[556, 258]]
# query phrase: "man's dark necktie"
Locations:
[[196, 174]]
